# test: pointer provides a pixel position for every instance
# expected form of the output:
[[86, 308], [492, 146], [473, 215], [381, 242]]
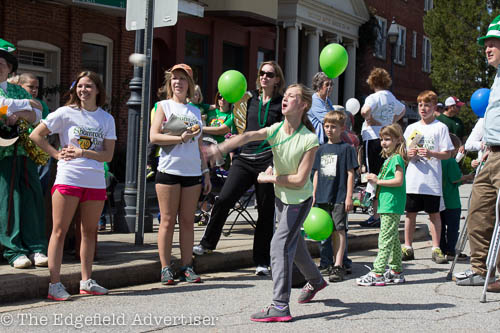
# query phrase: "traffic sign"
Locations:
[[165, 14]]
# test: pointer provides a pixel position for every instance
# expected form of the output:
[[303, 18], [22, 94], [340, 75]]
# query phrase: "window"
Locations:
[[97, 56], [426, 55], [428, 5], [264, 55], [414, 45], [196, 55], [233, 57], [33, 58], [380, 42], [400, 57]]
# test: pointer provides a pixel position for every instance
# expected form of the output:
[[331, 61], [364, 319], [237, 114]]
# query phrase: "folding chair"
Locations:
[[493, 252], [241, 208]]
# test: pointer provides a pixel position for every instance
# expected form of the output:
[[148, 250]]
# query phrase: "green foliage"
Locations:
[[459, 66]]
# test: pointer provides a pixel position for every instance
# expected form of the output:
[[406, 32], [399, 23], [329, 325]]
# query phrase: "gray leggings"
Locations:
[[288, 246]]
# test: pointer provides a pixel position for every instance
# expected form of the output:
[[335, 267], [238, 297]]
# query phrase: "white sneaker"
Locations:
[[90, 287], [262, 271], [39, 259], [200, 250], [22, 262], [57, 292]]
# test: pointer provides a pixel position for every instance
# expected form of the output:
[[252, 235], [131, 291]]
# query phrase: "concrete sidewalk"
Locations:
[[121, 263]]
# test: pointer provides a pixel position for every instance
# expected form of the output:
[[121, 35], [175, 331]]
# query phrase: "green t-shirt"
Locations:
[[216, 118], [204, 108], [451, 173], [454, 124], [287, 154], [392, 199]]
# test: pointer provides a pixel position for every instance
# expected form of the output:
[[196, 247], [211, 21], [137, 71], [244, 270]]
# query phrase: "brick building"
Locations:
[[411, 66]]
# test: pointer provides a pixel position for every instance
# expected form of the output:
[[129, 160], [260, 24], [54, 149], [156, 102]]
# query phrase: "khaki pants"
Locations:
[[482, 212]]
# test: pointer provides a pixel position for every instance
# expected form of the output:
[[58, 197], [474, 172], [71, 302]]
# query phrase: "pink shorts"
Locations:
[[81, 192]]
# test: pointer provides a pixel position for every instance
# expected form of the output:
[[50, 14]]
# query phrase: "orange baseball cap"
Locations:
[[184, 67]]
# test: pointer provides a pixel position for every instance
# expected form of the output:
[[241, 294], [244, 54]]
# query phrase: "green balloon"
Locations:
[[333, 60], [318, 224], [232, 85]]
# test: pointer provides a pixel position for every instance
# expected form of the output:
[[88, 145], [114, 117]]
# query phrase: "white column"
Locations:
[[350, 72], [335, 91], [292, 51], [312, 53]]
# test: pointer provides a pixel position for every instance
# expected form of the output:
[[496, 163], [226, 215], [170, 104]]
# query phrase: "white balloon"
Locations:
[[352, 105]]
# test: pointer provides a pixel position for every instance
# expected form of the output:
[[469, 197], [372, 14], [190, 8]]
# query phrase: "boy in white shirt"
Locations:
[[428, 142]]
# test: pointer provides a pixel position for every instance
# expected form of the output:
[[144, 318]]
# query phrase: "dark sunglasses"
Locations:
[[269, 74], [219, 97]]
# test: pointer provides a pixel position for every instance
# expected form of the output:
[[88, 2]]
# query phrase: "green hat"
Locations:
[[493, 31], [6, 50]]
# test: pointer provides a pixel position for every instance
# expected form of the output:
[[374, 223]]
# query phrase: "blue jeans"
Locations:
[[326, 253], [450, 223]]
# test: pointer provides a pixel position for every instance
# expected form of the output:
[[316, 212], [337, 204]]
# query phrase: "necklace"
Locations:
[[261, 147], [263, 124]]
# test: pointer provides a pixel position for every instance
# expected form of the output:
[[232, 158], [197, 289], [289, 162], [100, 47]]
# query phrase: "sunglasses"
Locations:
[[269, 74], [219, 97]]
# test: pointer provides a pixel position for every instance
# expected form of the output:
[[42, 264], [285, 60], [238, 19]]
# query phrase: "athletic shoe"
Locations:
[[21, 262], [407, 253], [188, 275], [371, 222], [200, 250], [309, 291], [392, 276], [57, 292], [262, 270], [337, 274], [438, 256], [39, 259], [348, 269], [463, 275], [90, 287], [474, 279], [272, 313], [371, 279], [325, 270], [167, 277]]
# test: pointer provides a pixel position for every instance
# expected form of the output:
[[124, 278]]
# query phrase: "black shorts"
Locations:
[[422, 202], [184, 181], [338, 214], [373, 159]]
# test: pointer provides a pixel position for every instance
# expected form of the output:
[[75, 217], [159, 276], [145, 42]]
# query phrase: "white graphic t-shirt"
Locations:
[[384, 106], [86, 130], [423, 175]]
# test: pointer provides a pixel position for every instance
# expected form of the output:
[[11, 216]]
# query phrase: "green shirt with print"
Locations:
[[392, 199], [451, 173], [217, 118]]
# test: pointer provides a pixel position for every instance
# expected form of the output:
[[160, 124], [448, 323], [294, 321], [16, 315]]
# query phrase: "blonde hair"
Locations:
[[396, 133], [427, 96], [379, 78], [197, 89], [306, 97], [335, 117], [25, 77], [279, 88], [167, 86]]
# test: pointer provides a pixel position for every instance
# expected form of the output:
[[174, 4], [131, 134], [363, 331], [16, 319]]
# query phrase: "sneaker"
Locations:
[[200, 250], [309, 291], [438, 256], [272, 313], [348, 269], [474, 279], [371, 279], [167, 277], [463, 275], [325, 270], [407, 253], [39, 259], [262, 270], [90, 287], [188, 275], [371, 222], [391, 276], [21, 262], [337, 274], [57, 292]]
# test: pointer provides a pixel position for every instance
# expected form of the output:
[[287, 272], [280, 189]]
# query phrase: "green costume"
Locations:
[[22, 211]]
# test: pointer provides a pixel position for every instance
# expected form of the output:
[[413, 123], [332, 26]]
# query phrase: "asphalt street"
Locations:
[[224, 302]]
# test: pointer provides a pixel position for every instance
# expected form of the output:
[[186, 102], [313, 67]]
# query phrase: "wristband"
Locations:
[[204, 171]]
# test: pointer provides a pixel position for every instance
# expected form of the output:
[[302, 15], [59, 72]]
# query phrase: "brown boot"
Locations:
[[494, 287]]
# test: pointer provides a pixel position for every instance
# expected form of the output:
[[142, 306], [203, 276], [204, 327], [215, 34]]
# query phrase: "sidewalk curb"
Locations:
[[25, 286]]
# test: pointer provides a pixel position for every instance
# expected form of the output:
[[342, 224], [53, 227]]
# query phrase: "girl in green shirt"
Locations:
[[391, 194]]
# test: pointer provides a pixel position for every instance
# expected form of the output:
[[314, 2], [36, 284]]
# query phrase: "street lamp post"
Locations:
[[393, 35]]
